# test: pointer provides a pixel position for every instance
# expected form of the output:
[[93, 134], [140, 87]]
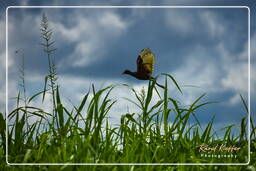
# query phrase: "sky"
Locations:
[[203, 47]]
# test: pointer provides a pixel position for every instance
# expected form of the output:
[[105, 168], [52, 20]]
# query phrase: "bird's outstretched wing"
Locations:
[[145, 62]]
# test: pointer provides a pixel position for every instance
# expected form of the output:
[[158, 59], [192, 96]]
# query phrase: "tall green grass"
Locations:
[[84, 134], [147, 137]]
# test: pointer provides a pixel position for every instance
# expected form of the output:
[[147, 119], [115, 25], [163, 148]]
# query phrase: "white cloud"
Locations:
[[112, 21], [212, 23], [235, 99], [237, 77], [237, 70], [184, 22], [179, 21], [89, 34], [71, 34], [197, 71], [84, 54], [229, 73], [24, 2], [46, 105]]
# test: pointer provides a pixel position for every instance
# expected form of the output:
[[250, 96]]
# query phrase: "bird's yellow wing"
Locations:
[[148, 59]]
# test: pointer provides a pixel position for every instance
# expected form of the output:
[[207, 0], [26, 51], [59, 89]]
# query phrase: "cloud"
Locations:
[[198, 72], [46, 105], [212, 22], [223, 71], [73, 33], [89, 34], [237, 77], [112, 21], [235, 99], [190, 21], [24, 2], [84, 54], [179, 21], [237, 69]]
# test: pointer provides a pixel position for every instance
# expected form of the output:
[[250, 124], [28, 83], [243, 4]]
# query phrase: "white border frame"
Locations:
[[249, 78]]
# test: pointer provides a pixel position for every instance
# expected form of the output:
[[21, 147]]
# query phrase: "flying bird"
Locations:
[[145, 66]]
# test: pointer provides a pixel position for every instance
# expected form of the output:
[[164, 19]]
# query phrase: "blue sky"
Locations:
[[205, 47]]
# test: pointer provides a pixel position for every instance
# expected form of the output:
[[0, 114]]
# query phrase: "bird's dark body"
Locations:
[[145, 66], [144, 69]]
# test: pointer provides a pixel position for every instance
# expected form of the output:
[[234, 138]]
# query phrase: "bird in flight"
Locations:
[[145, 66]]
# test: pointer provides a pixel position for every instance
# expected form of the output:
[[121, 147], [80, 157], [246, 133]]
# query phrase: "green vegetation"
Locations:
[[83, 134]]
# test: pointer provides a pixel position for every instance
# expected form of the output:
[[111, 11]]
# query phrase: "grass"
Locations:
[[83, 134], [136, 139]]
